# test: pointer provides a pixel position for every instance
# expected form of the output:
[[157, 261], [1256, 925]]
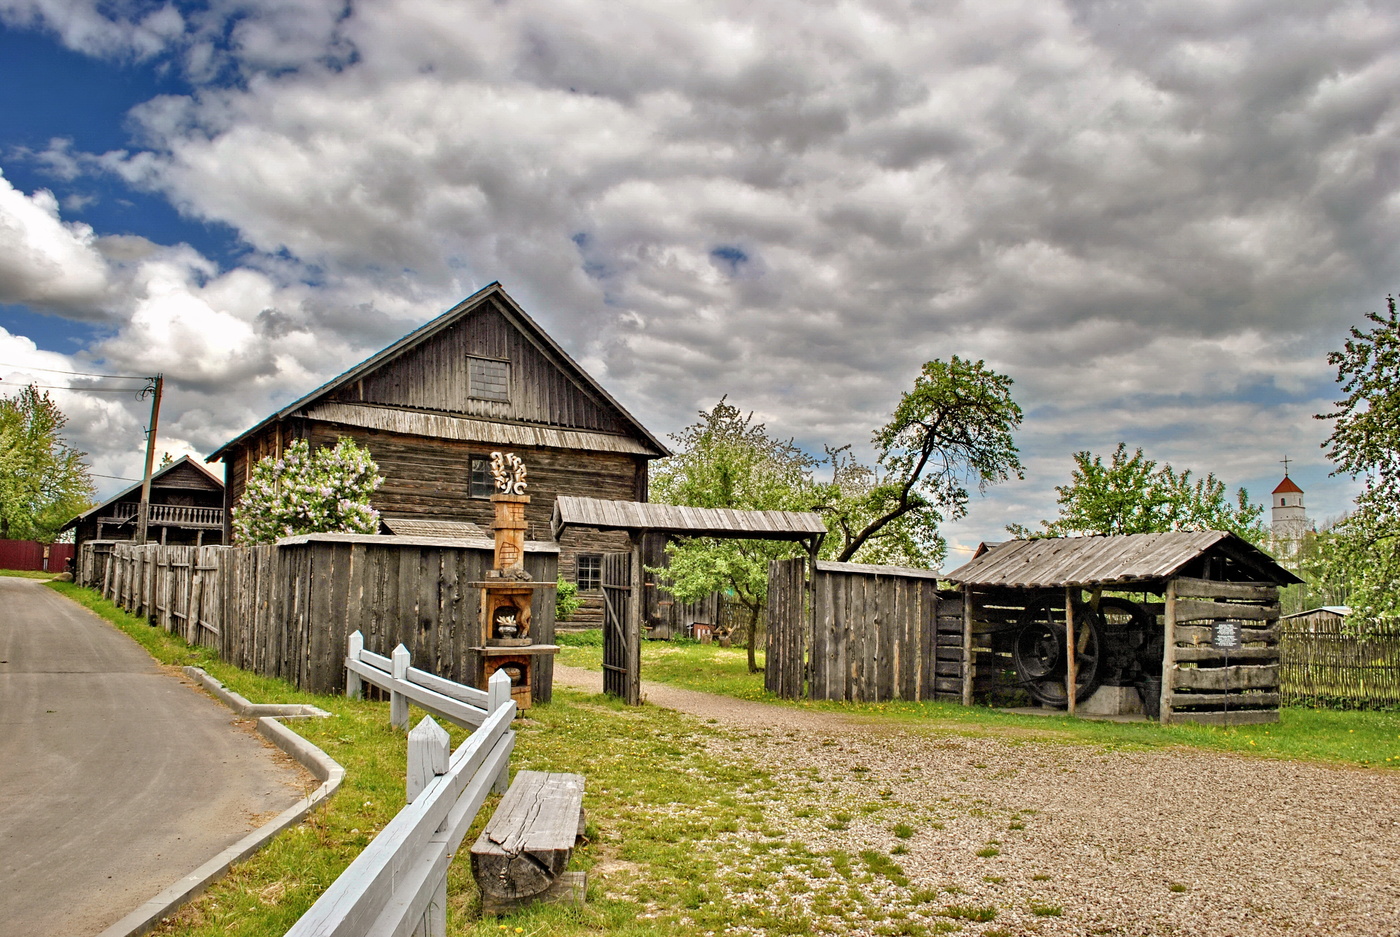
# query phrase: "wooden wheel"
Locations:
[[1041, 657]]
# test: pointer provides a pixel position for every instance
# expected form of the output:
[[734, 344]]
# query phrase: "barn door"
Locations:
[[622, 631]]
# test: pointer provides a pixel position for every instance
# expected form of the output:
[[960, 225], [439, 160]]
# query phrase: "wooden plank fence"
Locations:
[[862, 633], [287, 610]]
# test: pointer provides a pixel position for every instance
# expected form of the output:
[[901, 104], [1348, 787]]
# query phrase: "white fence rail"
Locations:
[[464, 705], [398, 885]]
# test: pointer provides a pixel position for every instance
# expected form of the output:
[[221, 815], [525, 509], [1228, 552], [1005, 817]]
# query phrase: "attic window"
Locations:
[[488, 379]]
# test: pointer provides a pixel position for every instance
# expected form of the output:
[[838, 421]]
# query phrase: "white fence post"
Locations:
[[354, 686], [398, 703], [429, 748], [498, 695]]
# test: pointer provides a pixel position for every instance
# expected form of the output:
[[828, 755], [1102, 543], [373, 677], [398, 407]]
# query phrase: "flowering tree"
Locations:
[[304, 493]]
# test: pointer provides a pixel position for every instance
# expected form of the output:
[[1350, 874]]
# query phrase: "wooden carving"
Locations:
[[509, 473]]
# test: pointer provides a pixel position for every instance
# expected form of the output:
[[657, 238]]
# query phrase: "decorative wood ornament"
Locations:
[[509, 473]]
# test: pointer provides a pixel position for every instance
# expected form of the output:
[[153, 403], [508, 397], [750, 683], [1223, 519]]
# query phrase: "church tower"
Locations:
[[1290, 518]]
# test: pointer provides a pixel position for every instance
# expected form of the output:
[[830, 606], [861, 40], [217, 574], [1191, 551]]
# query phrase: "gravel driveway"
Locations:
[[1076, 839]]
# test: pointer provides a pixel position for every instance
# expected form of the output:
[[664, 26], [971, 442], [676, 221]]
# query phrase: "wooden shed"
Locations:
[[1185, 620], [433, 406]]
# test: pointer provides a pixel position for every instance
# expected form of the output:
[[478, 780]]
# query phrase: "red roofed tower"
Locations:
[[1290, 518]]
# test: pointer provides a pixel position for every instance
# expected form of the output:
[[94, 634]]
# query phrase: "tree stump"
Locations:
[[522, 853]]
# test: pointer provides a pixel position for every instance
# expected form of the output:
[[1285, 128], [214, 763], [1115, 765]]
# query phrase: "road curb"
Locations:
[[322, 767]]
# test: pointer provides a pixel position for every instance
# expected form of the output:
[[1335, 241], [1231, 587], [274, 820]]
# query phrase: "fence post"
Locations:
[[428, 748], [354, 686], [498, 695], [398, 703]]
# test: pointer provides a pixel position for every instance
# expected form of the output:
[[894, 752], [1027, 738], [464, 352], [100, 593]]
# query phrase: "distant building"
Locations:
[[1290, 518]]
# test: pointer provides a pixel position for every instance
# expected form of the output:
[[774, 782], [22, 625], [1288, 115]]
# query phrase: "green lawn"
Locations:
[[27, 573], [685, 834], [1368, 738]]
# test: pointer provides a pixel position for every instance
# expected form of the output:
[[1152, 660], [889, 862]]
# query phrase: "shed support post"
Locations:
[[1168, 653], [969, 658], [1071, 652], [398, 703]]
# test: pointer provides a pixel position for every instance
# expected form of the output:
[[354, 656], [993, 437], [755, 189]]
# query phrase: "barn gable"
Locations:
[[484, 362]]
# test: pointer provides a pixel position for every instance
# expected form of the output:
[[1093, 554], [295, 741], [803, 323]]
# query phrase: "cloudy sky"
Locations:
[[1156, 217]]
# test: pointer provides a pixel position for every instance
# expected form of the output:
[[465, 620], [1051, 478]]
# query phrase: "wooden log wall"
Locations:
[[1214, 685], [287, 611]]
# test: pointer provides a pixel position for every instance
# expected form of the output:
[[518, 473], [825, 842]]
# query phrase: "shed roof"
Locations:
[[638, 516], [435, 527], [1104, 560]]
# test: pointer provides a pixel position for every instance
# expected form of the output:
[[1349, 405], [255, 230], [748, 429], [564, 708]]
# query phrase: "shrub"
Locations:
[[304, 493], [566, 600]]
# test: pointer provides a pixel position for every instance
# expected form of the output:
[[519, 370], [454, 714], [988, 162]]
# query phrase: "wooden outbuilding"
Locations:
[[1185, 620], [187, 508], [433, 406]]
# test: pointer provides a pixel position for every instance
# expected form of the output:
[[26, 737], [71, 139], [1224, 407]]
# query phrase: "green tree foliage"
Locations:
[[951, 431], [1136, 495], [303, 492], [726, 460], [44, 482], [1365, 444]]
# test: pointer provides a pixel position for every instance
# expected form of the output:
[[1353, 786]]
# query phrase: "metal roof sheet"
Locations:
[[570, 511], [1102, 560]]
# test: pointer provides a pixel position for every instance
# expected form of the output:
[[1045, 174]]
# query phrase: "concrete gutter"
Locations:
[[321, 766]]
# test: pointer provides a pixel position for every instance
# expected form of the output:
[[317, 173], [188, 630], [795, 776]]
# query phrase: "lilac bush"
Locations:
[[303, 493]]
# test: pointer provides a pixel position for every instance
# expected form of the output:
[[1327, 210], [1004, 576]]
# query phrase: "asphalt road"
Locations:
[[116, 776]]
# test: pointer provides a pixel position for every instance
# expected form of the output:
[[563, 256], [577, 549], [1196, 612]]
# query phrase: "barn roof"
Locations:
[[136, 488], [638, 516], [1105, 560], [652, 446]]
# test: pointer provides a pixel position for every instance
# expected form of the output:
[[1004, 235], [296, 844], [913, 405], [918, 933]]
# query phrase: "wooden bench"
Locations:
[[521, 855]]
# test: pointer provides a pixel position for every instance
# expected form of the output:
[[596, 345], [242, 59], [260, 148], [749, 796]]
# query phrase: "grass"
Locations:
[[1369, 738], [682, 838], [27, 573]]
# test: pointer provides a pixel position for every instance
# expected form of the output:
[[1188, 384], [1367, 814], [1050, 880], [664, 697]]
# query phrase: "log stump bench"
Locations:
[[521, 855]]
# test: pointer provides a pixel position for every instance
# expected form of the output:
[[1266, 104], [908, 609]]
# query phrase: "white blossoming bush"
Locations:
[[304, 493]]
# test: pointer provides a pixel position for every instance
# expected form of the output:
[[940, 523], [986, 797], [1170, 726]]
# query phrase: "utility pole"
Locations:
[[143, 511]]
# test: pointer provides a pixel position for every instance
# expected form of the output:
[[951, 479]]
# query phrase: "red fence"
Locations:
[[27, 554]]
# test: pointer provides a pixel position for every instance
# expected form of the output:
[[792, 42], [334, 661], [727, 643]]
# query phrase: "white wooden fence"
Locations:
[[398, 885]]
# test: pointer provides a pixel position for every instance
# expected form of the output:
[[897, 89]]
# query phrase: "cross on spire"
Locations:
[[1285, 460]]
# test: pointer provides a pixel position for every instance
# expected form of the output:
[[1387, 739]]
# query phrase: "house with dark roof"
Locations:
[[433, 406], [187, 508]]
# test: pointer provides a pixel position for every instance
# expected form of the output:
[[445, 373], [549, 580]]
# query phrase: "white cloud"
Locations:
[[44, 261], [1155, 218]]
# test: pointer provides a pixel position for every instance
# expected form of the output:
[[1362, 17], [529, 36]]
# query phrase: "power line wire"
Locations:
[[124, 377], [85, 390]]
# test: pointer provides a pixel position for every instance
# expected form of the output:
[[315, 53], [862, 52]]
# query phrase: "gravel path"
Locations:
[[1177, 842]]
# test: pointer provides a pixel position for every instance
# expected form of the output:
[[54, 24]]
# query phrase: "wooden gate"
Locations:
[[622, 631]]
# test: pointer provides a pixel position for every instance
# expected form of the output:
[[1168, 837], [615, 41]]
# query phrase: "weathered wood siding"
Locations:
[[433, 376], [862, 635], [287, 611]]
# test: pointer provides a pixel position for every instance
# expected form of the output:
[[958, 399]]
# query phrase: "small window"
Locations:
[[488, 379], [590, 572], [482, 484]]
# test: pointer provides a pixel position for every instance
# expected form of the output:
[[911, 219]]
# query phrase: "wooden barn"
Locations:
[[187, 508], [433, 406]]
